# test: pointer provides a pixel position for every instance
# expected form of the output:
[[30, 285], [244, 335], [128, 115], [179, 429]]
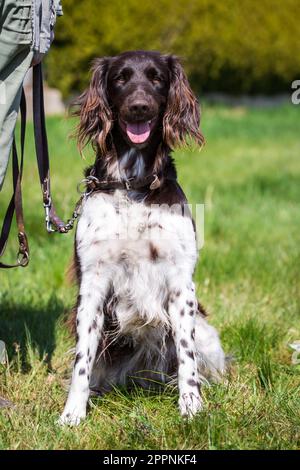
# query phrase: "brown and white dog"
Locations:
[[137, 316]]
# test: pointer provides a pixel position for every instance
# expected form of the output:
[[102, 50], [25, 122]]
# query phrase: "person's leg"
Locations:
[[15, 60]]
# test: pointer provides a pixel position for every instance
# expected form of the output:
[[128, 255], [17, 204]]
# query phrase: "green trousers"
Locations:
[[15, 59]]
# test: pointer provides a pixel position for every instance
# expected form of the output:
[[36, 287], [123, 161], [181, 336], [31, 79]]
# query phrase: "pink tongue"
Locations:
[[138, 132]]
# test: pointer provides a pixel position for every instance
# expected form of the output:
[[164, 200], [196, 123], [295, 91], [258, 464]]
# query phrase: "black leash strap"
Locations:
[[15, 204], [53, 222]]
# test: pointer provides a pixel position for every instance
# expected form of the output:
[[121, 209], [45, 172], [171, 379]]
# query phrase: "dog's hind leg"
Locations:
[[182, 308], [210, 355], [89, 325]]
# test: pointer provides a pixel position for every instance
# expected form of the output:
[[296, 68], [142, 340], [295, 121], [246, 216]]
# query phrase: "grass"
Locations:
[[248, 176]]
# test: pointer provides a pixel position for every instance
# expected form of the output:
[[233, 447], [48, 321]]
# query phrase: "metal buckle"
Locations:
[[23, 255], [23, 259], [128, 185], [88, 180], [155, 183]]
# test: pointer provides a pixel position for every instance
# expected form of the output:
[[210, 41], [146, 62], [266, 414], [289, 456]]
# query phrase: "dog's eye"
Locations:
[[154, 76], [120, 79], [123, 76], [156, 79]]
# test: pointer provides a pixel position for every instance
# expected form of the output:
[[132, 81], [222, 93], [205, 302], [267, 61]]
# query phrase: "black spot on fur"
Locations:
[[193, 383], [184, 343], [190, 354], [81, 371], [202, 310], [90, 329], [178, 293], [153, 252], [191, 313], [190, 303], [77, 321], [193, 333], [77, 358], [182, 312], [94, 324]]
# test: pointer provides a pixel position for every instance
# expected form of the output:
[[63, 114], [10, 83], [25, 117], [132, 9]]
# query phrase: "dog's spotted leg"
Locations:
[[182, 309], [89, 324]]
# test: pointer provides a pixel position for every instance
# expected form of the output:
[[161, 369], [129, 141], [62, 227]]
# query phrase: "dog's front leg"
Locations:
[[182, 309], [89, 324]]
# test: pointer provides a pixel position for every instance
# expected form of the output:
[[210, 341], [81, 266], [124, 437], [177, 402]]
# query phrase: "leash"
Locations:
[[15, 204], [53, 222]]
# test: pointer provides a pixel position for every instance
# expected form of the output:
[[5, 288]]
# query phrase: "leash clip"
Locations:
[[47, 207]]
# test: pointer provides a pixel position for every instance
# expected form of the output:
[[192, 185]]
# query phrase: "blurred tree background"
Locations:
[[234, 46]]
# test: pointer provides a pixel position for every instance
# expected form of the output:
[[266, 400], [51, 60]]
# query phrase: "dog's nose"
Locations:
[[139, 106]]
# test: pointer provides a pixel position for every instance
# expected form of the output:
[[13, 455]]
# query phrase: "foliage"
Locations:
[[233, 46]]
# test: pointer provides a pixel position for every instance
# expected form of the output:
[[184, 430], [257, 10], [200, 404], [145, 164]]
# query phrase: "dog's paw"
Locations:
[[71, 418], [189, 404]]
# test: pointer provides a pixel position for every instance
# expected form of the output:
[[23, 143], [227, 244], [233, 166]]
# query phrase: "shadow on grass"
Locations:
[[29, 323]]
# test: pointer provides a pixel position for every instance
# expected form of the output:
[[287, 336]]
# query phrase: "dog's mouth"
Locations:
[[138, 132]]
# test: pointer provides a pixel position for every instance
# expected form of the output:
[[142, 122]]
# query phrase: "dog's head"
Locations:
[[142, 93]]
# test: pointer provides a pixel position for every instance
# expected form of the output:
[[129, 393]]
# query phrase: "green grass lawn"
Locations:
[[248, 176]]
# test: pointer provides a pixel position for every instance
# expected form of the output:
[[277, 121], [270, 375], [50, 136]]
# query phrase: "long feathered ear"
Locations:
[[95, 116], [182, 116]]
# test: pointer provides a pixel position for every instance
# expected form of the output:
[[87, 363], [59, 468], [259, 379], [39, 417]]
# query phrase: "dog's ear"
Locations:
[[95, 116], [182, 116]]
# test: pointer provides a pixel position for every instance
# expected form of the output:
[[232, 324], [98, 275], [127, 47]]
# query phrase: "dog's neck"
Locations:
[[124, 162], [133, 162]]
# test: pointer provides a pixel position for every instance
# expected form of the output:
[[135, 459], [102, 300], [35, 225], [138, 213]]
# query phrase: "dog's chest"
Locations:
[[113, 228], [139, 250]]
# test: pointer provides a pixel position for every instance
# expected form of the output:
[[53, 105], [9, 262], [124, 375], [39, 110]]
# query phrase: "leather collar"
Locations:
[[151, 182]]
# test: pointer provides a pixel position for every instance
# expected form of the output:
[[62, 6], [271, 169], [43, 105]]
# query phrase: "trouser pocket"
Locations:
[[16, 23]]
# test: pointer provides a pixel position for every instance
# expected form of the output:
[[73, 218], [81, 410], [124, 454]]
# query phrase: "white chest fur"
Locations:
[[142, 250]]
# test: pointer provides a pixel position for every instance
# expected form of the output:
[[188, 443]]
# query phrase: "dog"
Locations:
[[137, 316]]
